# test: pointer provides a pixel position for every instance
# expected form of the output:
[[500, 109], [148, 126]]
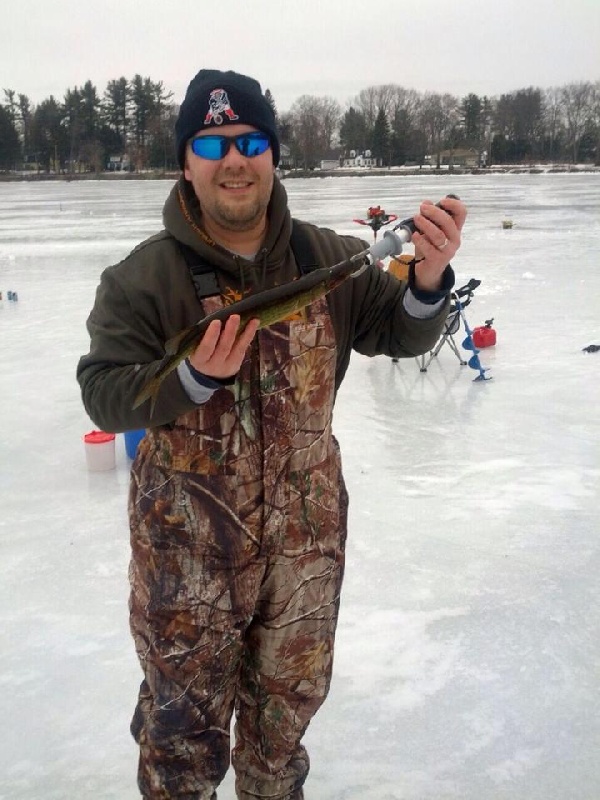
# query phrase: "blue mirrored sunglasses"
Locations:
[[214, 148]]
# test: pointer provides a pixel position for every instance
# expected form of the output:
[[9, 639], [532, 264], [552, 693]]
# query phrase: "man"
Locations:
[[237, 502]]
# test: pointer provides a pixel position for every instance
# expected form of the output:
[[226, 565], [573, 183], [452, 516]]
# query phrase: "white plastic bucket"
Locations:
[[99, 451]]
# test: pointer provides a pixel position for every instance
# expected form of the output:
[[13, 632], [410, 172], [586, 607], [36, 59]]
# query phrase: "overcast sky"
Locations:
[[320, 47]]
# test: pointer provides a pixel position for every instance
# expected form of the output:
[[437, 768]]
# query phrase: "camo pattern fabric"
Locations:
[[238, 524]]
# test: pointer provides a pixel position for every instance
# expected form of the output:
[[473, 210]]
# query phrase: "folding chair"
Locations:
[[451, 326]]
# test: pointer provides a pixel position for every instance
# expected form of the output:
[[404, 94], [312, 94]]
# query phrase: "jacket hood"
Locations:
[[182, 217]]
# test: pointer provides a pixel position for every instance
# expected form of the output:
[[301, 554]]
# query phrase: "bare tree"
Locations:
[[367, 104], [314, 120], [439, 115], [553, 120], [331, 113], [406, 101], [373, 100], [576, 104]]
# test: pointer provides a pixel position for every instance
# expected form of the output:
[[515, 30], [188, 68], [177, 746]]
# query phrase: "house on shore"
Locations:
[[467, 158], [357, 159]]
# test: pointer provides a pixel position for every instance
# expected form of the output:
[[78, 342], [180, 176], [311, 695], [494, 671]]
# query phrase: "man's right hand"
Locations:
[[221, 350]]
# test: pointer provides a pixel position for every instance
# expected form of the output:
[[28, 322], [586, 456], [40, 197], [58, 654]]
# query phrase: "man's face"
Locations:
[[235, 191]]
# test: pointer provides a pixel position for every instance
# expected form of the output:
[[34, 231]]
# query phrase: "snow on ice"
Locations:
[[468, 650]]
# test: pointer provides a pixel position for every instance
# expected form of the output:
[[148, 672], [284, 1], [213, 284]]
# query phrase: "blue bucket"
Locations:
[[132, 439]]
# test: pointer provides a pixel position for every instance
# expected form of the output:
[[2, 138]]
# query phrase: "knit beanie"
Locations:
[[215, 99]]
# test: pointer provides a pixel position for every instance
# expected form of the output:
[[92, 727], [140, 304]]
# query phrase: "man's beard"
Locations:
[[242, 216], [239, 217]]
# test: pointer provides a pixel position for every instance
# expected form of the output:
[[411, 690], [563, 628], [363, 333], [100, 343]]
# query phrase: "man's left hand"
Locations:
[[436, 240]]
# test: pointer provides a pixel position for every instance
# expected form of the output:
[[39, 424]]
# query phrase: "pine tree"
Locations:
[[380, 141], [10, 147], [270, 100]]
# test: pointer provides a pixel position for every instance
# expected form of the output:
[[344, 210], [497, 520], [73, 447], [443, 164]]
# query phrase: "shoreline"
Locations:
[[534, 169]]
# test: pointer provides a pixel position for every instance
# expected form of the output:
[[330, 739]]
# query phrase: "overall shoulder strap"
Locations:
[[203, 273], [302, 249]]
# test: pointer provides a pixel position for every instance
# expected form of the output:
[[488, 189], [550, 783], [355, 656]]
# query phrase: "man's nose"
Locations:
[[233, 155]]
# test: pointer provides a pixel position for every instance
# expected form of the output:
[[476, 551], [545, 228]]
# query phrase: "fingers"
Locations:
[[457, 210], [436, 239], [244, 340], [221, 350], [436, 224], [209, 341], [439, 228]]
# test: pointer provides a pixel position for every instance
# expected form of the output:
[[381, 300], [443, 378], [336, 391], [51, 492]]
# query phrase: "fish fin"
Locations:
[[185, 343], [149, 392], [173, 345]]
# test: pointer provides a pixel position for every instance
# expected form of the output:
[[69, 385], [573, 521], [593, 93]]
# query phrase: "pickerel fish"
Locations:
[[270, 306], [276, 304]]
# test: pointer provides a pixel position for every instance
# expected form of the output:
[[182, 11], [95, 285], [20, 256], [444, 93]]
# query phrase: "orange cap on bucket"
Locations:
[[98, 437]]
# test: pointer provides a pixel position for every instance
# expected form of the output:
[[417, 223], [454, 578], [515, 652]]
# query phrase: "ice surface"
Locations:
[[468, 650]]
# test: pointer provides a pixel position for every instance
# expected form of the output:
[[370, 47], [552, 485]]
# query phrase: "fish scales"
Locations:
[[270, 306]]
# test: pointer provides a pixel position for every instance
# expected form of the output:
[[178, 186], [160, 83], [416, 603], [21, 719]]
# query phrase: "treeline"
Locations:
[[400, 126], [130, 126]]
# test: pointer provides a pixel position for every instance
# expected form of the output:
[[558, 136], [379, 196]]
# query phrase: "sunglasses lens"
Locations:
[[213, 148], [252, 144]]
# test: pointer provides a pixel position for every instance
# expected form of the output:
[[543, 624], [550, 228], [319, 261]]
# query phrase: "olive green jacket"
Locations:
[[149, 297]]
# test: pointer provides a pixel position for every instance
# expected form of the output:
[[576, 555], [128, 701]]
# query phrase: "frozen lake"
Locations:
[[468, 651]]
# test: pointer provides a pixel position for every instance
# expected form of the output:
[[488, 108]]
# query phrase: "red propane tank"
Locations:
[[484, 336]]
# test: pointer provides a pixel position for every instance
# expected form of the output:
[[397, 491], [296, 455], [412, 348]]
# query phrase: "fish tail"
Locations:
[[150, 389], [149, 392], [177, 348], [179, 342], [271, 310]]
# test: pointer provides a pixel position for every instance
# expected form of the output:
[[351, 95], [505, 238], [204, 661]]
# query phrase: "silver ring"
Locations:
[[442, 246]]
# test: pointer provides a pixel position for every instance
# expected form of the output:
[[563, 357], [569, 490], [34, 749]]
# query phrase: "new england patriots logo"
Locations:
[[218, 104]]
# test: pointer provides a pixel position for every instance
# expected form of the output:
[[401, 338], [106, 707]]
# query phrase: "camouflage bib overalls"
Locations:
[[238, 523]]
